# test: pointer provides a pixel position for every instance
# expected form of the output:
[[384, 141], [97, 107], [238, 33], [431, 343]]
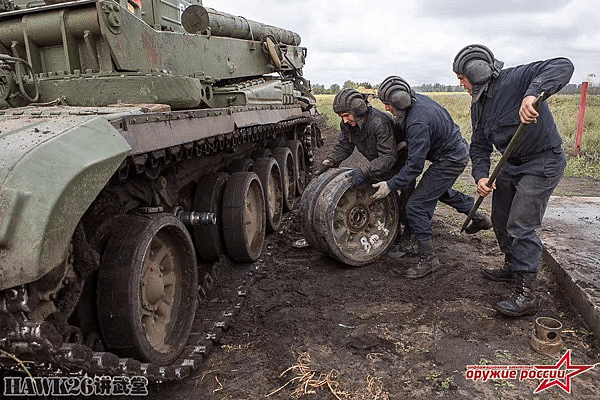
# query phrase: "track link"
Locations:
[[77, 359]]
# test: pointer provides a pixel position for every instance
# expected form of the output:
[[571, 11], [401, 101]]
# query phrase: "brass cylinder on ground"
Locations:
[[546, 338]]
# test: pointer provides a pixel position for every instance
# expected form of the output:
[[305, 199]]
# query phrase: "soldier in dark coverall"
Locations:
[[501, 100], [368, 130], [432, 135]]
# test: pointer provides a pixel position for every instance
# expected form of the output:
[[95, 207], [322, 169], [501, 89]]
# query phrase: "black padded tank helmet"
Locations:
[[351, 101], [397, 92], [477, 63]]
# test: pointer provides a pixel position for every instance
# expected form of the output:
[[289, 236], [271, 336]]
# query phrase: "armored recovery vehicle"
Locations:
[[142, 143]]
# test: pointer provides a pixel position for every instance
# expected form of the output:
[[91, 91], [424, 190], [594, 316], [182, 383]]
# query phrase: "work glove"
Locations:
[[357, 177], [382, 190], [324, 166]]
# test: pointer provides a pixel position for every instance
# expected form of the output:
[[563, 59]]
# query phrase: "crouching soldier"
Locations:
[[368, 130], [374, 134]]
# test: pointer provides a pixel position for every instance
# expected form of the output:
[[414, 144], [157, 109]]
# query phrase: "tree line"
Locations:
[[428, 87]]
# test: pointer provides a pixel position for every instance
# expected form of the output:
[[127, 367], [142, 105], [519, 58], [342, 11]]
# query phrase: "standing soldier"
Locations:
[[432, 135], [501, 99]]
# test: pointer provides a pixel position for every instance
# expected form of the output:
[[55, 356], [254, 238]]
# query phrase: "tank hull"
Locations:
[[126, 163]]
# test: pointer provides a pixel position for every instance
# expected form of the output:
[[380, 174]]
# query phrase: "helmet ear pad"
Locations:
[[478, 71], [400, 99]]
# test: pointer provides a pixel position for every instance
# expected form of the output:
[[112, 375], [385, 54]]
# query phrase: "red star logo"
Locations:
[[566, 385]]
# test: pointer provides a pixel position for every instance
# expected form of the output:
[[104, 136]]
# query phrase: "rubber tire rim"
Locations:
[[139, 244]]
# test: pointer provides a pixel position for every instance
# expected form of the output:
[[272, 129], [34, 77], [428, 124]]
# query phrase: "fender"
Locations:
[[51, 170]]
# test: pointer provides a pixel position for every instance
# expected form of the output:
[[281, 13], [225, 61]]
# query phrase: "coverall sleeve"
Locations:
[[419, 143], [387, 154], [343, 148], [548, 76]]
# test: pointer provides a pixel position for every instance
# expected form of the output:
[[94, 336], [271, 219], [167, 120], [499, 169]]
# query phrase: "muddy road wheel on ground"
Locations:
[[244, 217], [285, 160], [268, 172], [147, 288], [352, 227]]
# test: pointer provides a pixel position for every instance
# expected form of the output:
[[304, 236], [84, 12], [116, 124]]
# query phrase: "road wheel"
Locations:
[[299, 164], [147, 288], [260, 153], [268, 172], [285, 160], [240, 164], [209, 198], [244, 218]]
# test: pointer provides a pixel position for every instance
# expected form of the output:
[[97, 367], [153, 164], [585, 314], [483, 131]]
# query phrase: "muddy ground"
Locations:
[[313, 328]]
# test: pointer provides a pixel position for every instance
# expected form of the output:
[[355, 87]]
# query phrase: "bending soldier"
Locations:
[[431, 135]]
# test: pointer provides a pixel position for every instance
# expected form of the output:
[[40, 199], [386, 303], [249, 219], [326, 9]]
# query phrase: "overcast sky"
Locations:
[[365, 41]]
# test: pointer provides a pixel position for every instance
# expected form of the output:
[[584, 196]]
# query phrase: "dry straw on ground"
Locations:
[[307, 380]]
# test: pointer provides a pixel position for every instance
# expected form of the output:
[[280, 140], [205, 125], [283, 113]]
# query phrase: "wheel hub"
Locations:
[[358, 218], [153, 285], [157, 292]]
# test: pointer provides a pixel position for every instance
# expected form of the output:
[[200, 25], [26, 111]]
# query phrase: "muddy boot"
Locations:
[[522, 301], [407, 243], [428, 261], [395, 253], [479, 222], [404, 246], [502, 274]]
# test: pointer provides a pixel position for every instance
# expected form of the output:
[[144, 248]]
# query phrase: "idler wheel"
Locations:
[[209, 198], [244, 218], [268, 172], [285, 159], [147, 286], [299, 164], [347, 224]]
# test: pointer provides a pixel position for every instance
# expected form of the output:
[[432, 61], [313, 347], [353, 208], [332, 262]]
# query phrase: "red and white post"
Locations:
[[581, 119]]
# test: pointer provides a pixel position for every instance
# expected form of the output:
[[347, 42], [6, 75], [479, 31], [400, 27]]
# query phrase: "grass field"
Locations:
[[565, 109]]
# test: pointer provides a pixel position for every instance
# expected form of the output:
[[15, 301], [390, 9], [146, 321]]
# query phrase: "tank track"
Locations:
[[74, 359]]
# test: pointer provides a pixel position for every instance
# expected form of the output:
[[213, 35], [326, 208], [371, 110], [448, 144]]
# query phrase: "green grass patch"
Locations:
[[325, 106]]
